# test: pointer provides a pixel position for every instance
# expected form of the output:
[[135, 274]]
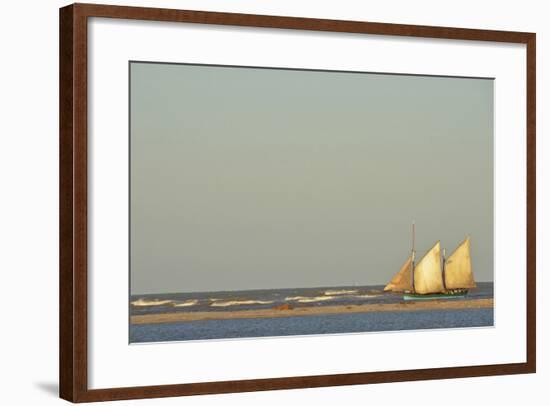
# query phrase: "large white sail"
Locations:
[[427, 274], [402, 280], [458, 268]]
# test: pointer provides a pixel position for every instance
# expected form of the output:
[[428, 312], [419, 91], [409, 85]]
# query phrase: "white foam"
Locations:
[[366, 296], [186, 303], [340, 292], [153, 302], [240, 302], [306, 299]]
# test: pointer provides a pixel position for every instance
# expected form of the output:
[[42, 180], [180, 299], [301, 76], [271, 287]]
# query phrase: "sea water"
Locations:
[[296, 325], [303, 325]]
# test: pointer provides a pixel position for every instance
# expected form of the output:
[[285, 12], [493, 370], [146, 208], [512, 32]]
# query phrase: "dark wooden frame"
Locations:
[[73, 362]]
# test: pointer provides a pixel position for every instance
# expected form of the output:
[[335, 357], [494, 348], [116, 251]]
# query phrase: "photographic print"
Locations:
[[269, 202]]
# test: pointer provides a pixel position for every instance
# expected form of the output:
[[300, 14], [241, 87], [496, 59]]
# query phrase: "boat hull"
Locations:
[[432, 296]]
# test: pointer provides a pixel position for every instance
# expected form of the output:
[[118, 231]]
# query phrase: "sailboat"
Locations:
[[435, 277]]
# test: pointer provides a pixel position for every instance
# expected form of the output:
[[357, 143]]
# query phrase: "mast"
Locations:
[[443, 271], [412, 256]]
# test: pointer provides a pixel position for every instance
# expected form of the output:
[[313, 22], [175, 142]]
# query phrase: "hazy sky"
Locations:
[[245, 178]]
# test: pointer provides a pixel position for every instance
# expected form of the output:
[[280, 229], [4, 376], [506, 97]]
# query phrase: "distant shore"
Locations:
[[311, 311]]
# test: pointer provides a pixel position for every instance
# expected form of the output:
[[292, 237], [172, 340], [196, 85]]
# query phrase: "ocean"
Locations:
[[297, 325]]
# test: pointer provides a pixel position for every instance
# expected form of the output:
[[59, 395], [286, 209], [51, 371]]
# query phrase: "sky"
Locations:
[[249, 178]]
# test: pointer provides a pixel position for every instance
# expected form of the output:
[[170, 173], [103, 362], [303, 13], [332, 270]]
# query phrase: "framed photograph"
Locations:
[[254, 202]]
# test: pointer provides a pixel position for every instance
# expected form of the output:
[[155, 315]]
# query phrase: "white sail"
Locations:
[[458, 268], [402, 280], [427, 274]]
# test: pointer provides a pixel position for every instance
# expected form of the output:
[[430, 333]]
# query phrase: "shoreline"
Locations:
[[445, 304]]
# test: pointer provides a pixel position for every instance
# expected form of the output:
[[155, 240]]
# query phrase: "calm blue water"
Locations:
[[303, 325]]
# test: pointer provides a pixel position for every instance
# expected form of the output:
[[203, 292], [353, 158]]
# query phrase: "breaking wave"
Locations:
[[366, 296], [153, 302], [187, 303], [308, 299], [340, 292], [219, 303]]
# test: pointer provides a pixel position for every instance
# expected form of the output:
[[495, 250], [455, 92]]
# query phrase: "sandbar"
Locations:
[[312, 311]]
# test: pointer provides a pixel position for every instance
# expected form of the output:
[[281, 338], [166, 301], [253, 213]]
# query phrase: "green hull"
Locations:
[[448, 295]]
